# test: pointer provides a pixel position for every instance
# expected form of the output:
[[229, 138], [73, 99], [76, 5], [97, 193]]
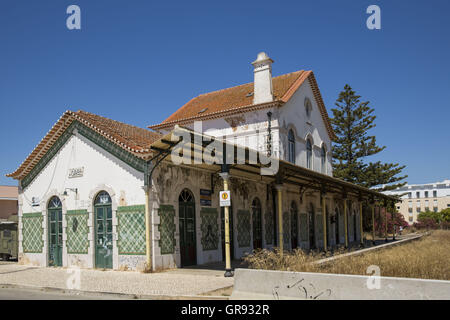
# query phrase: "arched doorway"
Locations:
[[257, 224], [312, 227], [294, 225], [327, 217], [55, 232], [186, 218], [103, 231], [336, 225]]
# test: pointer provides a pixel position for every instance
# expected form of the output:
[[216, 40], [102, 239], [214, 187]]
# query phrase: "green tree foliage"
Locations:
[[438, 217], [352, 120]]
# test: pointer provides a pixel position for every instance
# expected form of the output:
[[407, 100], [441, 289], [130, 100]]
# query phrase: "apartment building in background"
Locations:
[[417, 198], [8, 201]]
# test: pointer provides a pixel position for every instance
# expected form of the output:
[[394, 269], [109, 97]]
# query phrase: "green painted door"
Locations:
[[257, 224], [55, 235], [103, 237], [294, 227], [188, 248], [312, 228]]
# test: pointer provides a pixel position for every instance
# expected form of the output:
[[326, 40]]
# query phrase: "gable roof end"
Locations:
[[133, 139]]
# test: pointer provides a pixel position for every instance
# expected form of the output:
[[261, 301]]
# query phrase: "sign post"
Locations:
[[225, 201]]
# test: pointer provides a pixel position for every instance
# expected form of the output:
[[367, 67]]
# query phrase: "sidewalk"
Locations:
[[168, 284]]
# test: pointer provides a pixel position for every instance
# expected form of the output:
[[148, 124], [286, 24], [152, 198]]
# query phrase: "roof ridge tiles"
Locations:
[[244, 84]]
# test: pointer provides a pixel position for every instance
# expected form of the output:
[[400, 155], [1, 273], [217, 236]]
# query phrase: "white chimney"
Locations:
[[262, 91]]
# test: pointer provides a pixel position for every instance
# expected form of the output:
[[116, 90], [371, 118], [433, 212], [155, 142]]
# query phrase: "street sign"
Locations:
[[205, 197], [225, 198]]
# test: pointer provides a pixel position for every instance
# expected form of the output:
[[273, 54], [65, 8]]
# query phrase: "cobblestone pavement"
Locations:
[[171, 283]]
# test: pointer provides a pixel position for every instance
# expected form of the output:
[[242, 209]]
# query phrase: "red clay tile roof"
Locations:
[[133, 139], [237, 100]]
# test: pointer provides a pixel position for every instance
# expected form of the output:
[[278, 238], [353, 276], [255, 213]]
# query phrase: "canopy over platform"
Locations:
[[245, 162]]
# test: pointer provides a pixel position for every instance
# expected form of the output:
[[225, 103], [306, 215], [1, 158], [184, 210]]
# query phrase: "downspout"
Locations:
[[269, 134], [148, 239]]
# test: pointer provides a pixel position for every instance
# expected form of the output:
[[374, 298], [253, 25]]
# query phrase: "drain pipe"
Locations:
[[148, 239], [149, 169]]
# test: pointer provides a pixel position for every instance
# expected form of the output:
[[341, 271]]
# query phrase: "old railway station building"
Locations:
[[98, 193]]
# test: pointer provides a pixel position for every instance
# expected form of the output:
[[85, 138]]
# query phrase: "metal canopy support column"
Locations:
[[361, 232], [148, 240], [373, 222], [393, 225], [386, 224], [279, 188], [225, 176], [324, 221], [345, 222]]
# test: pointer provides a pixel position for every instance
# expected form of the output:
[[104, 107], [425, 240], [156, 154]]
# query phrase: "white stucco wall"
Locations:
[[293, 116], [102, 171]]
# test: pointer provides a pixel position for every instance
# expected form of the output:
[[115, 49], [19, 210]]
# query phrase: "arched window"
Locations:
[[323, 159], [308, 154], [291, 146], [54, 203], [102, 198], [186, 196], [308, 107]]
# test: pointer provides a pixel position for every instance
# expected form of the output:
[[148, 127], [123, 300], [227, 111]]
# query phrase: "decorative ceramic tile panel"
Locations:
[[77, 231], [319, 225], [210, 228], [243, 228], [167, 229], [131, 230], [32, 232], [286, 230], [303, 227], [268, 219]]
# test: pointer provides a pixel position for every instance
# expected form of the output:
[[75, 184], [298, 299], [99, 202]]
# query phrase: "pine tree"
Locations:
[[352, 119]]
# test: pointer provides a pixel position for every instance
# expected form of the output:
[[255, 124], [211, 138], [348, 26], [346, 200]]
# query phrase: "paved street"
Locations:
[[175, 283], [37, 294]]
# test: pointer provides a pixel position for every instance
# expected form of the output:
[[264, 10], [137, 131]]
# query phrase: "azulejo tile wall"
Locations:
[[166, 229], [210, 228], [243, 228], [131, 230], [32, 232], [286, 230], [77, 231], [303, 227], [319, 226]]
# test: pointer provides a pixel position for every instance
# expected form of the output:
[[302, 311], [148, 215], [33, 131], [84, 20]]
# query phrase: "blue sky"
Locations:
[[138, 61]]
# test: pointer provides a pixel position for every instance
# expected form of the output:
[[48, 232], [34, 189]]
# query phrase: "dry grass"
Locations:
[[427, 258]]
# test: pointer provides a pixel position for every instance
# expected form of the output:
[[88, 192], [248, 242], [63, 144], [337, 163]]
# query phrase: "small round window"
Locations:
[[308, 107]]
